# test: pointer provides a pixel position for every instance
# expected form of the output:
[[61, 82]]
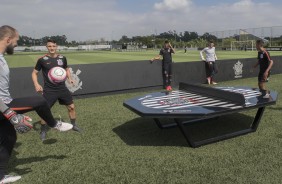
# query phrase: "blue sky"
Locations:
[[110, 19]]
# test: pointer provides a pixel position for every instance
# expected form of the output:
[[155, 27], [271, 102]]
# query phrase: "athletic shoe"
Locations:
[[266, 95], [214, 82], [76, 128], [168, 88], [62, 126], [9, 179]]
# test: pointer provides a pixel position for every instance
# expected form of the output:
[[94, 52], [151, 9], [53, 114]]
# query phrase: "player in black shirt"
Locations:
[[166, 52], [53, 92], [265, 63]]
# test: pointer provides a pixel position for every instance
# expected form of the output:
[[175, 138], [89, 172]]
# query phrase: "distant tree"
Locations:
[[208, 36], [227, 42], [199, 42], [188, 36], [124, 39], [170, 35]]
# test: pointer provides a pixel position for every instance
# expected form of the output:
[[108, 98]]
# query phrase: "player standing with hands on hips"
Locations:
[[166, 52], [11, 110], [53, 92], [210, 65], [265, 64]]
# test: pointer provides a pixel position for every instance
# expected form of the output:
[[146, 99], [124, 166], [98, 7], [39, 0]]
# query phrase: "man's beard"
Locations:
[[10, 49]]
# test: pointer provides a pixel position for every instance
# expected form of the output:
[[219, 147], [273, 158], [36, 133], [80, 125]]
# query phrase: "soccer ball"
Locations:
[[57, 74]]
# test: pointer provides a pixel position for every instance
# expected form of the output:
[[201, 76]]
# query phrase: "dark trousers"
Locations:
[[211, 69], [8, 134], [167, 73]]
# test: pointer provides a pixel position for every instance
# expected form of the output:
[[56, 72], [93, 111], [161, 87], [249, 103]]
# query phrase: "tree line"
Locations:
[[182, 39]]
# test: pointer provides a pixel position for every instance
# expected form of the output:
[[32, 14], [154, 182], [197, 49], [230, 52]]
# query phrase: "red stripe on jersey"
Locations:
[[43, 56], [268, 56]]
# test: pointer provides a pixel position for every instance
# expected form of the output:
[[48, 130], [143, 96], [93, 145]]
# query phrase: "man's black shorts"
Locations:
[[63, 96], [260, 77]]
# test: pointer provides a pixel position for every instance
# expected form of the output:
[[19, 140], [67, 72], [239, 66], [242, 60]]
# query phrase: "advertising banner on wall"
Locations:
[[91, 79]]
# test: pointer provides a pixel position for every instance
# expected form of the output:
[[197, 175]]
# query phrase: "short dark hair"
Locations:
[[211, 41], [166, 42], [51, 40], [7, 31], [260, 42]]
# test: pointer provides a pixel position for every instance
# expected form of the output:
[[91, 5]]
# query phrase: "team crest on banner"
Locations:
[[77, 82], [238, 69]]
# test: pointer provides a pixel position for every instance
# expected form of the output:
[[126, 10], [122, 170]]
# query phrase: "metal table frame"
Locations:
[[180, 120], [181, 125]]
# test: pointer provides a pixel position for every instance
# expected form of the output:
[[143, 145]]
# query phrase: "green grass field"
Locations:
[[29, 59], [118, 146]]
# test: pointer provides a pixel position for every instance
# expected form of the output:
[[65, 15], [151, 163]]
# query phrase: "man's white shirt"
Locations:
[[210, 54]]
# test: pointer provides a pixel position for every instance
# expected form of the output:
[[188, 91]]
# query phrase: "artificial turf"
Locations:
[[117, 146], [29, 59]]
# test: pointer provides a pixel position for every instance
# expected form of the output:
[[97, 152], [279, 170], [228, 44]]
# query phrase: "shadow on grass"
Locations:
[[49, 141], [144, 132], [275, 108], [37, 127], [15, 162]]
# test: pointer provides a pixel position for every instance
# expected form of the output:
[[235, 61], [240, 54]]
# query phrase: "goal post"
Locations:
[[242, 45]]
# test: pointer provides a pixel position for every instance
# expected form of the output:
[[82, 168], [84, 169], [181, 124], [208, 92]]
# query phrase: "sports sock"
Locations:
[[43, 127], [72, 121], [263, 92]]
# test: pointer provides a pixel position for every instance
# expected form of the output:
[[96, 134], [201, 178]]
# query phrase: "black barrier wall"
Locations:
[[194, 72], [96, 78], [118, 77]]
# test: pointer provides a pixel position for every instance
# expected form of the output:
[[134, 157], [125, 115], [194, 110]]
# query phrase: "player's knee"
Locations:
[[40, 100], [71, 107]]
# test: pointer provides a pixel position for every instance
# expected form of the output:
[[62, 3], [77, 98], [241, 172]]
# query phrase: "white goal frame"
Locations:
[[237, 45]]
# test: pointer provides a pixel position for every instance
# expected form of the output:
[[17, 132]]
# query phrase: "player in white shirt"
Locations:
[[211, 68]]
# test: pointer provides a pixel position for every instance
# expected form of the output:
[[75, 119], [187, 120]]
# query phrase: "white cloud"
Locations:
[[173, 5], [88, 19], [220, 17]]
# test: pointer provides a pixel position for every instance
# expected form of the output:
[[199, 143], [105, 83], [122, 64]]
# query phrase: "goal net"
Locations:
[[243, 45]]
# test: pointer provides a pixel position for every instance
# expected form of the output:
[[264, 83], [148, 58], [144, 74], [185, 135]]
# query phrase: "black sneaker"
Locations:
[[76, 128]]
